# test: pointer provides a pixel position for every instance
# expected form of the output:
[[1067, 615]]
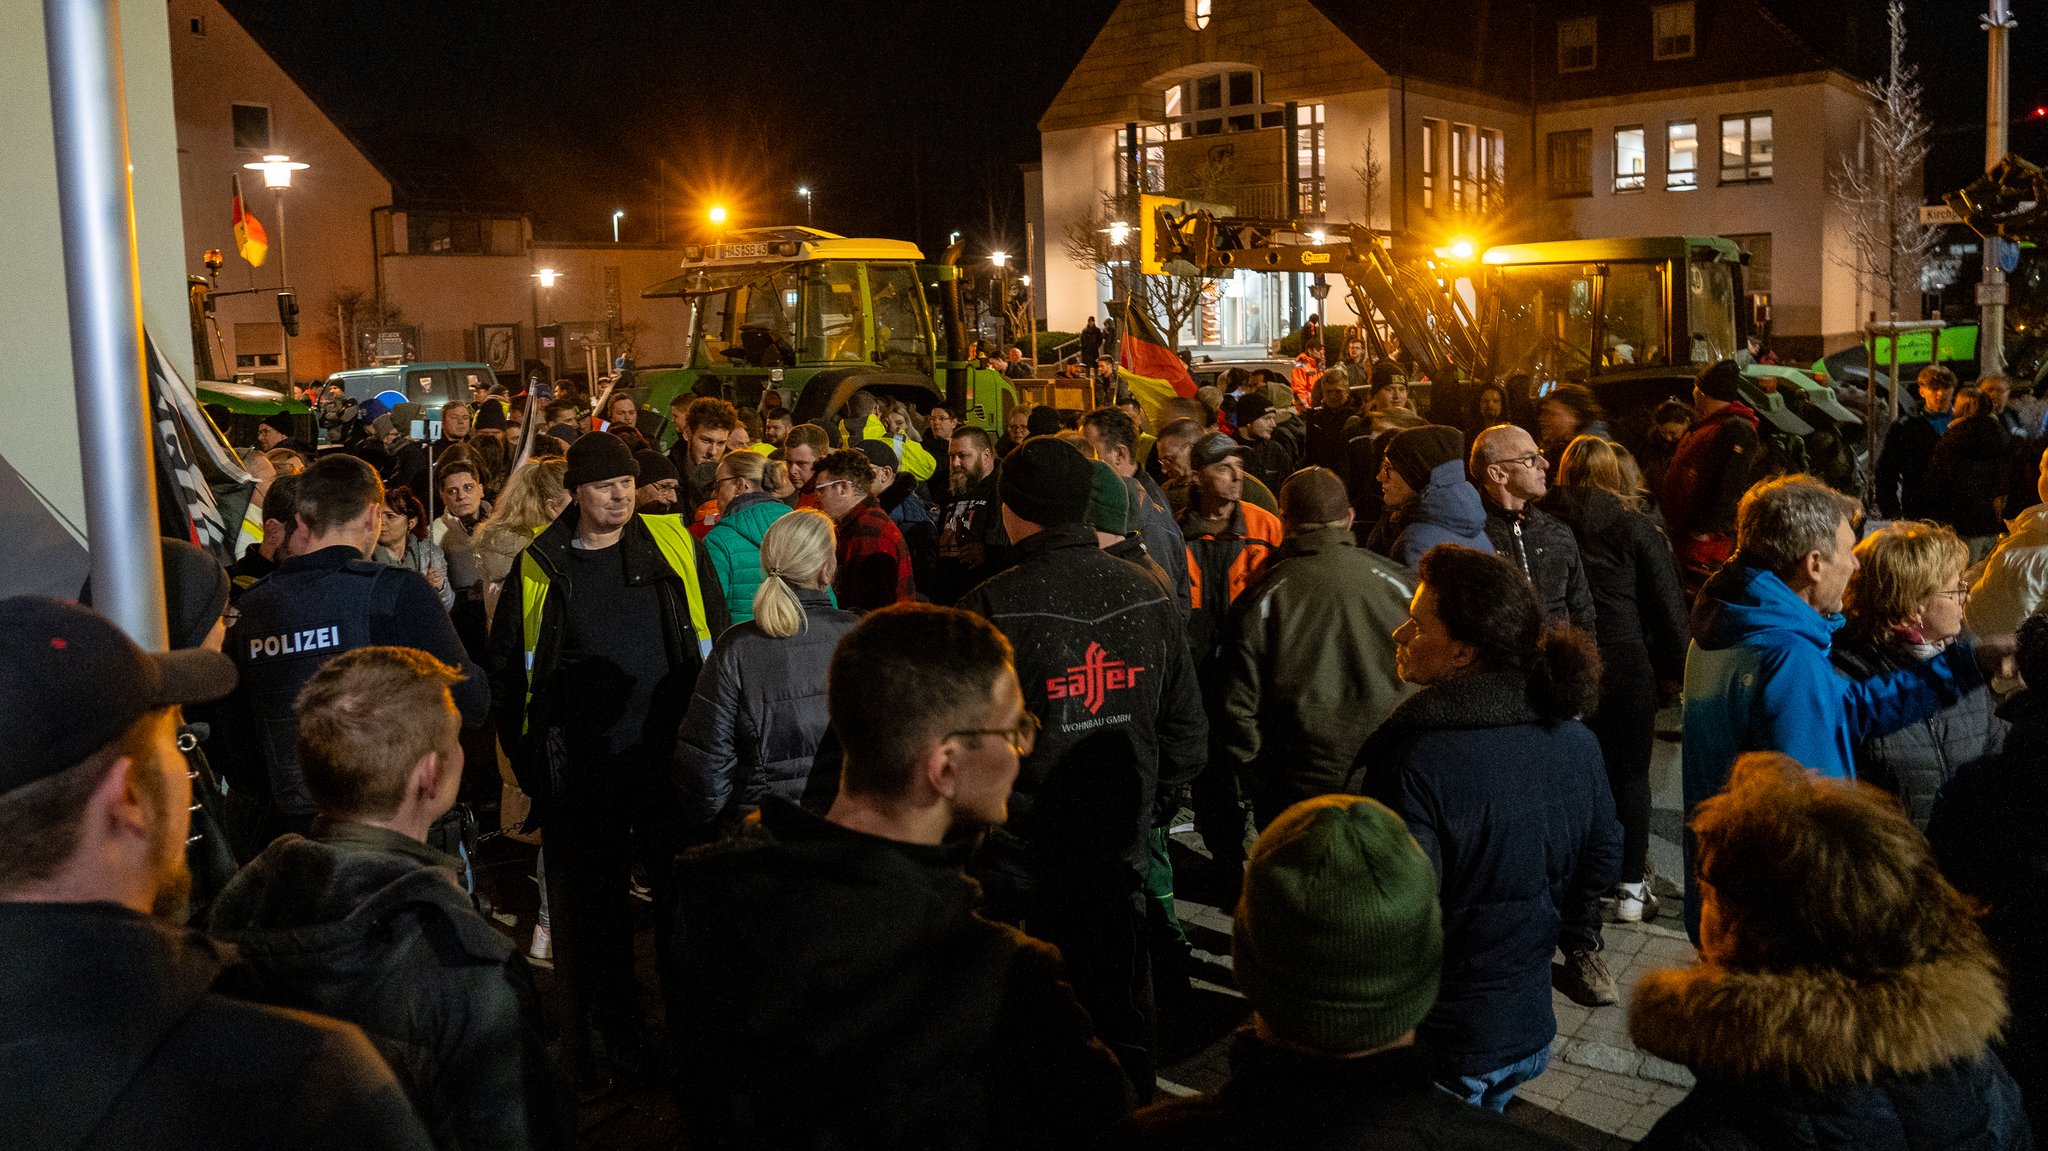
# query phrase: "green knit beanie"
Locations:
[[1109, 508], [1339, 938]]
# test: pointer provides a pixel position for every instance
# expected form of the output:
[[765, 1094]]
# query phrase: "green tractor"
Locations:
[[819, 317]]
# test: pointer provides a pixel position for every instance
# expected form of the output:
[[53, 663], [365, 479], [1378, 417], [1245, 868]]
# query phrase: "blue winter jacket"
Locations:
[[1448, 511], [1757, 678]]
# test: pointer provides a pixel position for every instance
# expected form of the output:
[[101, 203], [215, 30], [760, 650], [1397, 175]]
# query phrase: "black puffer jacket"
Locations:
[[1515, 812], [115, 1039], [1833, 1061], [369, 926], [839, 990], [1543, 547], [1639, 611], [1104, 664], [757, 717], [1914, 762]]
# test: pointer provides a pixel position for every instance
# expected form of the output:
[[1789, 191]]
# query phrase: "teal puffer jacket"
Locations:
[[735, 546]]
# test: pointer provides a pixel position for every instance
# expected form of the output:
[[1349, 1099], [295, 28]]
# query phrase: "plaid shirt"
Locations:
[[874, 562]]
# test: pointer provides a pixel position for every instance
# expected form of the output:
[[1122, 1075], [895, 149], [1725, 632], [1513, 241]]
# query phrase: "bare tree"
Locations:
[[352, 310], [1170, 299], [1886, 246], [1372, 176]]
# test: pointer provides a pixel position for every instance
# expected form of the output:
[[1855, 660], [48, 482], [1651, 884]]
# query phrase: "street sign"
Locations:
[[1993, 293], [1938, 214], [2005, 252]]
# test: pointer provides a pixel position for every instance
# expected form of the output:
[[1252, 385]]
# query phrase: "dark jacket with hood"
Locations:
[[116, 1039], [1310, 667], [1514, 810], [1833, 1061], [1902, 487], [1279, 1100], [1448, 511], [1638, 609], [368, 925], [839, 990], [1543, 547], [757, 716], [1104, 664], [1973, 461], [1992, 843], [1719, 459], [1916, 760], [530, 726]]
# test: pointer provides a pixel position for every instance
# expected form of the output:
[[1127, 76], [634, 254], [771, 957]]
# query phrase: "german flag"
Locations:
[[250, 238], [1151, 369]]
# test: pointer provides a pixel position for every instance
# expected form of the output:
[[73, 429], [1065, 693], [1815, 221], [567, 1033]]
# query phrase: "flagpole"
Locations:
[[103, 291]]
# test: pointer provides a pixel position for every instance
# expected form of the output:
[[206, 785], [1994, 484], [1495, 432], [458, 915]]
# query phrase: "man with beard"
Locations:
[[970, 547], [115, 1037], [1114, 436], [805, 445]]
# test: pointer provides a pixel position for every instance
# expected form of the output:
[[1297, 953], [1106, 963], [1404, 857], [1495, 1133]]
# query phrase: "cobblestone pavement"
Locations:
[[1599, 1092]]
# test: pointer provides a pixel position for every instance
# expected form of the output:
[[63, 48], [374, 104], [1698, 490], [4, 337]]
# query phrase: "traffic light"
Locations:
[[288, 311]]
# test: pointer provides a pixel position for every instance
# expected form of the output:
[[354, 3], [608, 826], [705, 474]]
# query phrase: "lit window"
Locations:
[[1493, 169], [1571, 163], [1629, 161], [1746, 148], [1578, 44], [1461, 168], [1681, 155], [252, 126], [1671, 31], [1197, 14], [1432, 132]]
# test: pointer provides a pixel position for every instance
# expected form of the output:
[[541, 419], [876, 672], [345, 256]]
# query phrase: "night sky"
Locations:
[[907, 117]]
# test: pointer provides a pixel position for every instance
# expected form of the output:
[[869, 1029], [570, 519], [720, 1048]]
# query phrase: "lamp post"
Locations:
[[543, 278], [277, 176], [803, 192], [618, 215]]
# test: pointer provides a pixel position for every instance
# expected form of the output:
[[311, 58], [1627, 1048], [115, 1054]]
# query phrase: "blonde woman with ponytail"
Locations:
[[759, 710]]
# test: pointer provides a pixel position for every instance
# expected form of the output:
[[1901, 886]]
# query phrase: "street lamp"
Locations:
[[616, 217], [543, 278], [999, 259], [803, 192], [277, 176], [1118, 232], [547, 277]]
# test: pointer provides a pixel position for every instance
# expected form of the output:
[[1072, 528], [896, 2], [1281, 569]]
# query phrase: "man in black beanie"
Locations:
[[595, 651], [1107, 674], [1719, 459], [276, 431]]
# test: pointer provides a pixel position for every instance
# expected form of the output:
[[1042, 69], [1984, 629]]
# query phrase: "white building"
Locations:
[[1488, 120]]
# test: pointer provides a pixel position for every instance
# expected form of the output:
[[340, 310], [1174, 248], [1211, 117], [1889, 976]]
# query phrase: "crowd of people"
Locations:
[[887, 719]]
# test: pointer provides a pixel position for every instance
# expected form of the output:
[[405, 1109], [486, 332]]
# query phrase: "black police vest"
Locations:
[[292, 624]]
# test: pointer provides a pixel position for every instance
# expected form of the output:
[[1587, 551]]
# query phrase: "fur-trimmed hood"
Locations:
[[1819, 1029]]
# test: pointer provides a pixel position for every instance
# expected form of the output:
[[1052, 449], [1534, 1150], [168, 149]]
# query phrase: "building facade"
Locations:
[[1480, 120], [412, 244]]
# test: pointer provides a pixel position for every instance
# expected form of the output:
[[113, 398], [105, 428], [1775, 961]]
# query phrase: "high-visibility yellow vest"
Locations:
[[677, 546]]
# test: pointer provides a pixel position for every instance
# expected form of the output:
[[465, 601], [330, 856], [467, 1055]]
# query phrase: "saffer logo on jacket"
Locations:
[[1093, 680]]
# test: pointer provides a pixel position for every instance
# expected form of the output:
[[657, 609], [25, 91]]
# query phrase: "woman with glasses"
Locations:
[[745, 512], [1905, 605], [758, 714]]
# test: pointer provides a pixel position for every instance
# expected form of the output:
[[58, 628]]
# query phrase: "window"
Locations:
[[1629, 160], [1217, 103], [1578, 44], [1671, 31], [1462, 189], [1493, 169], [1432, 134], [199, 25], [437, 235], [1746, 148], [1571, 163], [1208, 93], [1309, 159], [252, 126], [1197, 14], [1681, 155], [1152, 156]]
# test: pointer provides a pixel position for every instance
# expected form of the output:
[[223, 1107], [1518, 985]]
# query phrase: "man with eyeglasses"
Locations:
[[839, 986], [874, 560], [1511, 475], [1105, 666]]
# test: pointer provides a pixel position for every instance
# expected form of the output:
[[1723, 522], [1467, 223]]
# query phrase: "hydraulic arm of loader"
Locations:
[[1426, 314]]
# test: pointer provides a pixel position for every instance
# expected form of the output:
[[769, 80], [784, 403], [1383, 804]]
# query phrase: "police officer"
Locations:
[[323, 601], [594, 654]]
